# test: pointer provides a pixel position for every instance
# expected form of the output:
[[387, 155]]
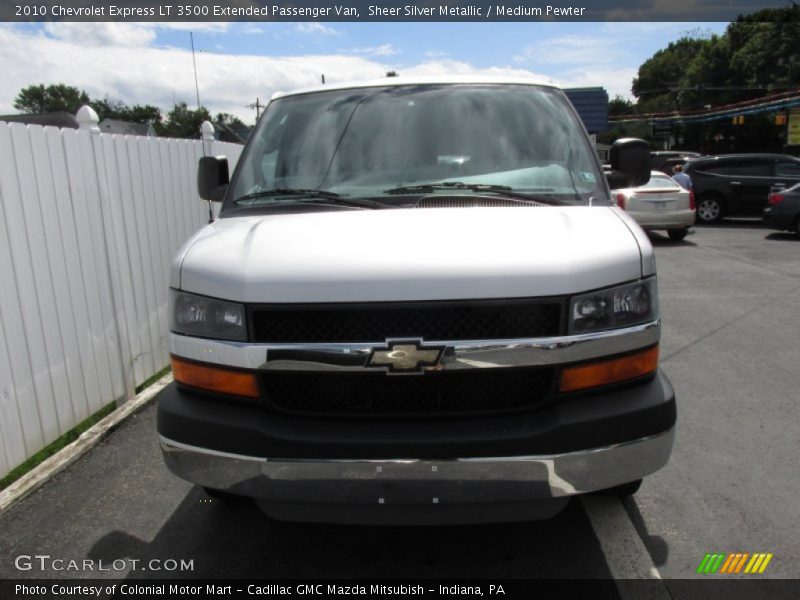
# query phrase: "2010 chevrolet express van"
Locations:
[[419, 304]]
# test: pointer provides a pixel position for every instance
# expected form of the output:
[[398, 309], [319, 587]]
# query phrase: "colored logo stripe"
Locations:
[[711, 563], [733, 563], [758, 563]]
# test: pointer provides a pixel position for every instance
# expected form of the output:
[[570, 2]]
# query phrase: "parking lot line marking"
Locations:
[[624, 550]]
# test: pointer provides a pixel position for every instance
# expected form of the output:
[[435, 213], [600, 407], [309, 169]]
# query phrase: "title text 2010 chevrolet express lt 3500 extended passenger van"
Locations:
[[419, 304]]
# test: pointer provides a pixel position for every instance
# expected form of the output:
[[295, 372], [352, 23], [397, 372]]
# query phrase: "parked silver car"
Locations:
[[660, 204]]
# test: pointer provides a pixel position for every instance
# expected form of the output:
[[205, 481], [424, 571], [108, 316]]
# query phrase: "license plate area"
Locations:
[[661, 205]]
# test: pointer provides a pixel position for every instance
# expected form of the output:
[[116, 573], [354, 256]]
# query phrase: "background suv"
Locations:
[[738, 184], [665, 160]]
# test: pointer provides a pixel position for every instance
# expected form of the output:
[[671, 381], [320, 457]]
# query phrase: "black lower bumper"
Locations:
[[592, 421]]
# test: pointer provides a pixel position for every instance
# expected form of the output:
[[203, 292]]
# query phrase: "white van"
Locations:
[[420, 303]]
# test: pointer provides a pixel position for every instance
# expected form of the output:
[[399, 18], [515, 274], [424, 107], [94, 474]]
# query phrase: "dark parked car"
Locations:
[[738, 184], [665, 160], [783, 211]]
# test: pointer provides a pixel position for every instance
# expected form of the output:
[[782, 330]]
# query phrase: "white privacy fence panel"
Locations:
[[89, 224]]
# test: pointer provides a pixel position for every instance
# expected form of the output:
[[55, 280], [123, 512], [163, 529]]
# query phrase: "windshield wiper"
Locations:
[[311, 197], [504, 190], [448, 185]]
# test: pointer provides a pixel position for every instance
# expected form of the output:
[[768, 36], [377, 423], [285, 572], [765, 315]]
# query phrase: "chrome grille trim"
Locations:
[[470, 354]]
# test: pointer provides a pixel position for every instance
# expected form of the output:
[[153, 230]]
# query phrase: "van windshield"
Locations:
[[380, 143]]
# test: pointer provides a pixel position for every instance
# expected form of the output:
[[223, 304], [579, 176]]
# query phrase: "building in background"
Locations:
[[591, 103]]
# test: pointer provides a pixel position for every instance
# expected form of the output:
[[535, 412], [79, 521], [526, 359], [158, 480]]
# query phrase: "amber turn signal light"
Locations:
[[609, 371], [224, 381]]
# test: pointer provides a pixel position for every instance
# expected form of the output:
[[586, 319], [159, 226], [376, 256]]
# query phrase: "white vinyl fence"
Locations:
[[89, 223]]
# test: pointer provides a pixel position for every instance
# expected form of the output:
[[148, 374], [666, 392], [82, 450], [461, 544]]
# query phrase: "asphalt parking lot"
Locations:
[[730, 299]]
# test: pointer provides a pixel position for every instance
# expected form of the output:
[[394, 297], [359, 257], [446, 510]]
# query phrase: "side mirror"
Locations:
[[212, 177], [630, 163]]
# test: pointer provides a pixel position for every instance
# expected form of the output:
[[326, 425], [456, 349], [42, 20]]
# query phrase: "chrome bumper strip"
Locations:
[[471, 354], [420, 481]]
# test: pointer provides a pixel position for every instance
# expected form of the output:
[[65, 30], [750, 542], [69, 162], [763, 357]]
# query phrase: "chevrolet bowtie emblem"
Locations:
[[405, 357]]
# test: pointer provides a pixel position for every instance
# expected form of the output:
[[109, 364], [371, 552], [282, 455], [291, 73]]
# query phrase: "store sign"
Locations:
[[662, 130], [793, 137]]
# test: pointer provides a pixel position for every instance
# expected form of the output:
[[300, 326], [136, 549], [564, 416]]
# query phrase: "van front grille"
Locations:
[[432, 321]]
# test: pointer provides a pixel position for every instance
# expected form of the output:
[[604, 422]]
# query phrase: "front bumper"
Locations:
[[420, 481], [574, 446]]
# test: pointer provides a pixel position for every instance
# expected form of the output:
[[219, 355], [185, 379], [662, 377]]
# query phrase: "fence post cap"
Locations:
[[207, 129], [87, 119]]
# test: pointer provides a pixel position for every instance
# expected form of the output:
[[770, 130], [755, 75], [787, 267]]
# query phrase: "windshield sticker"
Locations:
[[588, 176]]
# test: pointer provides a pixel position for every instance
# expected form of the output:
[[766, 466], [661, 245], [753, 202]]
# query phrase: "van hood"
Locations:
[[410, 254]]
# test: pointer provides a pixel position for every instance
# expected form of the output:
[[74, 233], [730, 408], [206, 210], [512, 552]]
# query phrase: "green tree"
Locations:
[[766, 55], [708, 78], [232, 121], [756, 55], [183, 122], [660, 77], [38, 99], [116, 109], [620, 106]]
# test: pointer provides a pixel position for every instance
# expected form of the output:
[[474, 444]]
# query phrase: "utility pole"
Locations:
[[258, 106]]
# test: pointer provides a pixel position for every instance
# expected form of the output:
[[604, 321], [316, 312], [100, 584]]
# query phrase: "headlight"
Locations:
[[611, 308], [207, 317]]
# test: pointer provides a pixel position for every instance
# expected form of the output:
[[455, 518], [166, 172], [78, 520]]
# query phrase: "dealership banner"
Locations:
[[377, 10], [594, 589]]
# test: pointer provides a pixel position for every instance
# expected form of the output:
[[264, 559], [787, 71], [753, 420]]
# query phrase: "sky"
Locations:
[[148, 63]]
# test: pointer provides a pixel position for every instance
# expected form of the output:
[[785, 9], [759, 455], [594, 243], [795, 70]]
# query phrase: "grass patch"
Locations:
[[153, 379], [48, 451], [70, 436]]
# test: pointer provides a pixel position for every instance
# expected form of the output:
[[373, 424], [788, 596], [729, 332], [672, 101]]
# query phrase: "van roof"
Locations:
[[419, 80]]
